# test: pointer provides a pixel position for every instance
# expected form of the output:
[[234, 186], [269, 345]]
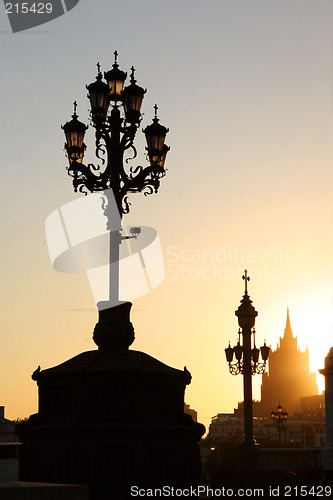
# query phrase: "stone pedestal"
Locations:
[[111, 419]]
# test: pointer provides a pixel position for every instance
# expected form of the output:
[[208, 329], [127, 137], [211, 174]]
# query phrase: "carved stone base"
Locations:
[[114, 328], [110, 419]]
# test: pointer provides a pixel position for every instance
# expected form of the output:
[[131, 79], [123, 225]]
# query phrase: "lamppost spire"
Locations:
[[246, 278]]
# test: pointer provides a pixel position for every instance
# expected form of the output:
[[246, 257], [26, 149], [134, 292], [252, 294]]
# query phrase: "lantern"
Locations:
[[99, 98], [116, 79], [74, 133], [132, 97]]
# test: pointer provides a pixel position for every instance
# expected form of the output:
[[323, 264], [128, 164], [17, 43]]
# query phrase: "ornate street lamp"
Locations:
[[137, 401], [279, 417], [247, 358], [116, 116], [114, 136]]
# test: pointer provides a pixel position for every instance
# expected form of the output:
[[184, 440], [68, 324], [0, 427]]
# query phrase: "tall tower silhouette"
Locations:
[[288, 378]]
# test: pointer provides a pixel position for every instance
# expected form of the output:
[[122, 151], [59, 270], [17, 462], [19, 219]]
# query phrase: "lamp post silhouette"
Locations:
[[115, 416], [279, 417], [247, 358], [115, 131]]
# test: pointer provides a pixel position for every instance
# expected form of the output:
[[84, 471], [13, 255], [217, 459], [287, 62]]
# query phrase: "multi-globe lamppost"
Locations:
[[279, 417], [247, 358], [118, 420], [115, 131]]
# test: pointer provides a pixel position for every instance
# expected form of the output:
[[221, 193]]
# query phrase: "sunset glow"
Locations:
[[246, 90]]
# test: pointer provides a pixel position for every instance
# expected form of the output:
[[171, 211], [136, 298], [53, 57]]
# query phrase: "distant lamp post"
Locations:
[[116, 116], [279, 417], [247, 358]]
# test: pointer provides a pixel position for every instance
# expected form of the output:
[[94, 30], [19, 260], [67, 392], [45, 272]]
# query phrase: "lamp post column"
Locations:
[[246, 315], [113, 210], [279, 417], [247, 385]]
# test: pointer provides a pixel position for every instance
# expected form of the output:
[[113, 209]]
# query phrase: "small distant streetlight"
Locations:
[[215, 449], [279, 417]]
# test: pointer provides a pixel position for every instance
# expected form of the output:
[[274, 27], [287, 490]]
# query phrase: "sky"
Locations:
[[246, 91]]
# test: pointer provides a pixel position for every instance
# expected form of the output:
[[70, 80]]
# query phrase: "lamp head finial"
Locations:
[[246, 278]]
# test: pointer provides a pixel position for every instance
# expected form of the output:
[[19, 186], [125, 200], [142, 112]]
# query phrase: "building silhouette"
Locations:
[[298, 432], [9, 449], [312, 408], [288, 378]]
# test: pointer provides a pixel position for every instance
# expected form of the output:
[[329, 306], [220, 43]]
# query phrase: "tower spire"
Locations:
[[288, 332], [288, 326]]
